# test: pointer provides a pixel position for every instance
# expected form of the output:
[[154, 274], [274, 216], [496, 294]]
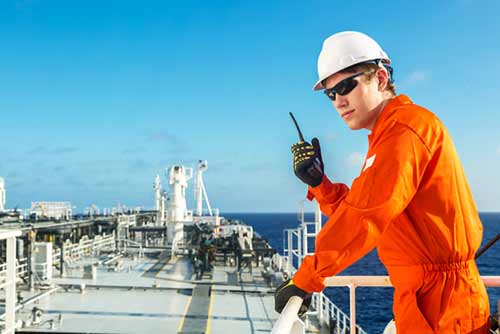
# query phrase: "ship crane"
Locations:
[[200, 191]]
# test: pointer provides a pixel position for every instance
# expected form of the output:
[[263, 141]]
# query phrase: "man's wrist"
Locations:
[[323, 187]]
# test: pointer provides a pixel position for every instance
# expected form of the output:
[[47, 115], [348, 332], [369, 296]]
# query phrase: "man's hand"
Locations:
[[307, 162], [287, 290]]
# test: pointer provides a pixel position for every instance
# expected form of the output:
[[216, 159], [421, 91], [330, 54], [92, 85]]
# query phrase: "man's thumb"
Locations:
[[317, 148]]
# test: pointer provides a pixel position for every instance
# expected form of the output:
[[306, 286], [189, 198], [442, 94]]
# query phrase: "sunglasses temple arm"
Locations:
[[297, 126]]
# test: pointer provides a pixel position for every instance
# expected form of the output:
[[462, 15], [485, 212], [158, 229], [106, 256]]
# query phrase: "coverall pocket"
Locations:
[[479, 321], [421, 315], [472, 300]]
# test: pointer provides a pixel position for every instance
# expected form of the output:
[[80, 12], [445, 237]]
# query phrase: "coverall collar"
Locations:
[[387, 111]]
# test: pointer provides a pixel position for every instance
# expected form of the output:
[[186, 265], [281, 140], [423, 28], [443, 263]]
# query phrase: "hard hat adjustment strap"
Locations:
[[380, 62]]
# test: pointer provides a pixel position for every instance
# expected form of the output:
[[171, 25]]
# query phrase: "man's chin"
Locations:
[[353, 126]]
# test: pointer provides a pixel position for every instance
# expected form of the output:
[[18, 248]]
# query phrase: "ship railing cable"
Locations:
[[352, 282], [333, 316]]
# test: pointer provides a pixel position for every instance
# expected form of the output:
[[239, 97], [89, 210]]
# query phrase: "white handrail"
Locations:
[[375, 281], [83, 248], [491, 281], [381, 281], [288, 322], [288, 316], [378, 281]]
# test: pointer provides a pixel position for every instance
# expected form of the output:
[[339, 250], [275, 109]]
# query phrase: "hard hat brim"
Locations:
[[318, 85]]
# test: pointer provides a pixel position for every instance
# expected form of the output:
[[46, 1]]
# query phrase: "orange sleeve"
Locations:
[[329, 195], [377, 196]]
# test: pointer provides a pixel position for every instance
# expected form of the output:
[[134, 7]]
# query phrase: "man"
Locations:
[[411, 200]]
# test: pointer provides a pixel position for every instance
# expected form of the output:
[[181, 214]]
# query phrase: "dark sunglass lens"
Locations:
[[330, 93], [346, 86], [342, 88]]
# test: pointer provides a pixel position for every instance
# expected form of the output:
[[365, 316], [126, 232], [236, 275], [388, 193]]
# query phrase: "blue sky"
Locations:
[[97, 97]]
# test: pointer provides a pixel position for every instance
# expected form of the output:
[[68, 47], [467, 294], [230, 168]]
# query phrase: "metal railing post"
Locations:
[[300, 254], [352, 307], [290, 252], [319, 307], [304, 241]]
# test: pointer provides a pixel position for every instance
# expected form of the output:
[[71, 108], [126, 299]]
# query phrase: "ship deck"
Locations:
[[150, 296]]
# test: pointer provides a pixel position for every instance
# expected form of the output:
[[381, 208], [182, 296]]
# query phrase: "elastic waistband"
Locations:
[[425, 267], [453, 266], [414, 275]]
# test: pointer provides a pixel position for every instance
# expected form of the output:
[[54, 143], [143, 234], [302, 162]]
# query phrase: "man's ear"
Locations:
[[383, 79]]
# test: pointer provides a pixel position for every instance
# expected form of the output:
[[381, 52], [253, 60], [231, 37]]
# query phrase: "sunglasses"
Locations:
[[344, 87]]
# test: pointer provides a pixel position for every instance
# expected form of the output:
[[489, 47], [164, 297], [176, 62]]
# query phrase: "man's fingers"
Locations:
[[317, 147]]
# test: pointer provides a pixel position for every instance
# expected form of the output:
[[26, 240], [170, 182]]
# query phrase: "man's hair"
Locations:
[[370, 69]]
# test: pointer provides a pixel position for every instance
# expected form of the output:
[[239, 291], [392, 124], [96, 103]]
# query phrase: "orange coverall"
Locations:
[[413, 203]]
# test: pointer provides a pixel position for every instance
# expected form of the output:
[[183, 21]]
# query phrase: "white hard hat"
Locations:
[[345, 49]]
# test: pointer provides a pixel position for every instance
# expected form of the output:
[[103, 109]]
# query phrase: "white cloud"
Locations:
[[355, 159], [498, 150], [417, 76]]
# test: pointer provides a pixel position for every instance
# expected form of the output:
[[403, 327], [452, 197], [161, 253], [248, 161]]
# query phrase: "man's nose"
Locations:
[[340, 102]]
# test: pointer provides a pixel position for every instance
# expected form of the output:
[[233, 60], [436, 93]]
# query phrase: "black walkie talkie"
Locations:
[[301, 138], [315, 169]]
